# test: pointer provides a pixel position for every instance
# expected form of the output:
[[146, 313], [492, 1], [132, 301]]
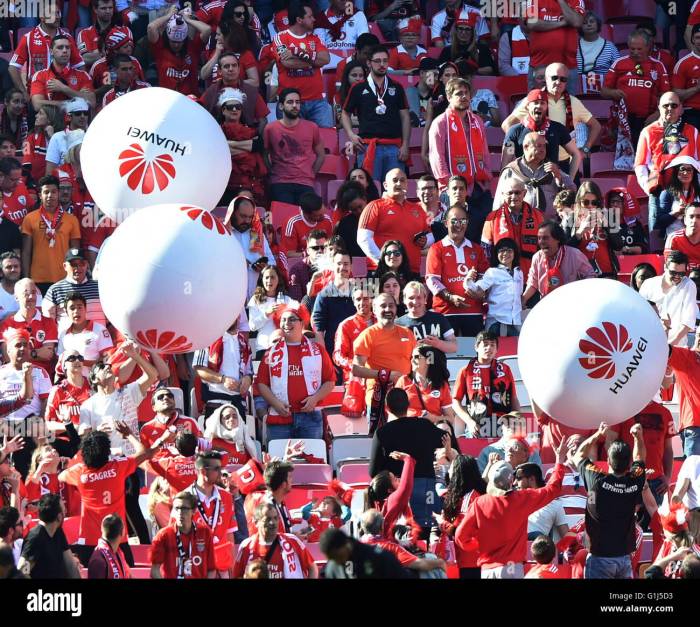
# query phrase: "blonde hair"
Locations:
[[159, 492], [36, 456]]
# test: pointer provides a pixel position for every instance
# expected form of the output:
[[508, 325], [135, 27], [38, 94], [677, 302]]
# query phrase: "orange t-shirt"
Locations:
[[386, 348], [47, 261], [433, 401]]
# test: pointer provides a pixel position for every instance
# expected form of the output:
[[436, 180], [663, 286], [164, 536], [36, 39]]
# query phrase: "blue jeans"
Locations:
[[305, 425], [653, 486], [318, 111], [289, 192], [424, 501], [691, 441], [386, 158], [608, 567]]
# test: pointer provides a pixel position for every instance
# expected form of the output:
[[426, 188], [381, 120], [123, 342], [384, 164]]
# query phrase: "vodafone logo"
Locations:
[[143, 173], [462, 269], [601, 347]]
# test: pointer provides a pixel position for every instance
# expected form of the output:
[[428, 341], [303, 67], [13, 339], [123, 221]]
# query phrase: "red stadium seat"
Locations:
[[332, 189], [495, 162], [312, 474], [140, 553], [377, 32], [329, 137], [141, 573], [329, 81], [334, 398], [280, 214], [601, 162], [354, 474], [340, 425], [505, 87], [71, 527], [434, 52], [507, 347], [315, 550], [628, 262], [474, 446]]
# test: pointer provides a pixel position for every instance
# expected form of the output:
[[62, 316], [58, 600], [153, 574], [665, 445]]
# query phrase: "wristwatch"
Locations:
[[33, 353], [586, 150]]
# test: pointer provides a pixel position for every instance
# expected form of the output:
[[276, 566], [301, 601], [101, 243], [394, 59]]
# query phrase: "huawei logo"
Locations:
[[165, 342], [601, 347], [207, 219], [144, 173]]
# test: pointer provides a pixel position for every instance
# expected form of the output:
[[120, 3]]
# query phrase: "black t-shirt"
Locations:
[[462, 59], [46, 553], [10, 237], [366, 562], [363, 102], [634, 235], [416, 436], [611, 507], [347, 229], [556, 136], [430, 323]]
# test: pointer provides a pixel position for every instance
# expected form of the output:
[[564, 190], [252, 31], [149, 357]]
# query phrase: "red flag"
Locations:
[[249, 478]]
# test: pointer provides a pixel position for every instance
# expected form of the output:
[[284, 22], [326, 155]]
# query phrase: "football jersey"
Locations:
[[307, 80], [642, 83], [47, 484], [42, 331], [91, 342], [15, 205], [101, 494], [153, 429], [296, 233], [177, 470], [349, 31], [399, 59], [422, 399], [77, 80], [252, 548], [685, 75], [197, 545], [34, 49], [10, 384], [678, 240], [89, 38], [558, 45], [180, 73], [102, 74], [216, 513], [65, 397], [449, 265]]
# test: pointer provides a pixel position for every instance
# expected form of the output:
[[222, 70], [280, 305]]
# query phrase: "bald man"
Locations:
[[393, 217]]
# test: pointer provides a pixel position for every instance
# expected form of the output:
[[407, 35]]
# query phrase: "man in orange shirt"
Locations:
[[393, 217], [47, 234], [382, 354]]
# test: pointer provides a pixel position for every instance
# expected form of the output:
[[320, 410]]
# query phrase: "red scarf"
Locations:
[[370, 153], [463, 160], [569, 124], [52, 225], [216, 354], [524, 234], [334, 30], [529, 122], [481, 391], [554, 278], [257, 237], [118, 568]]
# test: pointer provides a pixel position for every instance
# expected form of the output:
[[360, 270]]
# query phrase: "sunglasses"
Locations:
[[670, 105], [685, 169], [677, 273], [561, 79], [165, 395], [393, 253], [459, 222], [75, 358], [589, 203], [239, 14], [318, 248], [235, 107]]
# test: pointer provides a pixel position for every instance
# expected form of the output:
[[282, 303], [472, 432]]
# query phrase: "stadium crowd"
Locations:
[[409, 179]]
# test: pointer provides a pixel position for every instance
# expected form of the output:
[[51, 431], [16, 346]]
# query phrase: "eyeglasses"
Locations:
[[380, 61], [561, 79], [233, 107], [670, 105], [319, 249], [677, 273], [459, 222], [589, 203], [464, 29], [416, 357], [75, 358], [290, 320], [164, 395], [393, 253]]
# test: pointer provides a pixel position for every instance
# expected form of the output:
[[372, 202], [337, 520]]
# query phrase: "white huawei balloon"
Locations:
[[592, 351], [172, 278], [154, 146]]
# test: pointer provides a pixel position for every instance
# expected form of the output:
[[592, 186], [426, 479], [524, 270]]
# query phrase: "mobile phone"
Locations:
[[417, 236]]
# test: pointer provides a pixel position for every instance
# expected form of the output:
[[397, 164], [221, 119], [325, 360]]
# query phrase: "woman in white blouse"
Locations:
[[270, 295], [502, 287]]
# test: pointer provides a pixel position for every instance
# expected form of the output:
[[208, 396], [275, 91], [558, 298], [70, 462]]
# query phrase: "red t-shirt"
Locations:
[[197, 545], [641, 91], [686, 367], [297, 390], [175, 71], [221, 502], [101, 493], [66, 396], [177, 470], [389, 219], [89, 39], [34, 49], [252, 549], [549, 571], [102, 74], [694, 14], [433, 401], [685, 75], [678, 240], [406, 558], [48, 484], [399, 59], [77, 80], [296, 233], [153, 429], [291, 151], [16, 204], [558, 45], [35, 153], [488, 384], [307, 80], [658, 427], [450, 266], [42, 331]]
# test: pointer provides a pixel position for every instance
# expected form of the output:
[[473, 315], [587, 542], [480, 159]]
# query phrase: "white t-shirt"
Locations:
[[691, 470], [90, 342], [546, 518], [10, 384], [679, 304], [121, 404]]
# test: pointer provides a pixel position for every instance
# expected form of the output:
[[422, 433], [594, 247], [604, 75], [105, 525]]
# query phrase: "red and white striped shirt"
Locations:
[[34, 49], [296, 233]]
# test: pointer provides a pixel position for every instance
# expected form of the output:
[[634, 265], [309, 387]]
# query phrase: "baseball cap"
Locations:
[[75, 253], [536, 94], [76, 104], [427, 63], [501, 475], [410, 25]]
